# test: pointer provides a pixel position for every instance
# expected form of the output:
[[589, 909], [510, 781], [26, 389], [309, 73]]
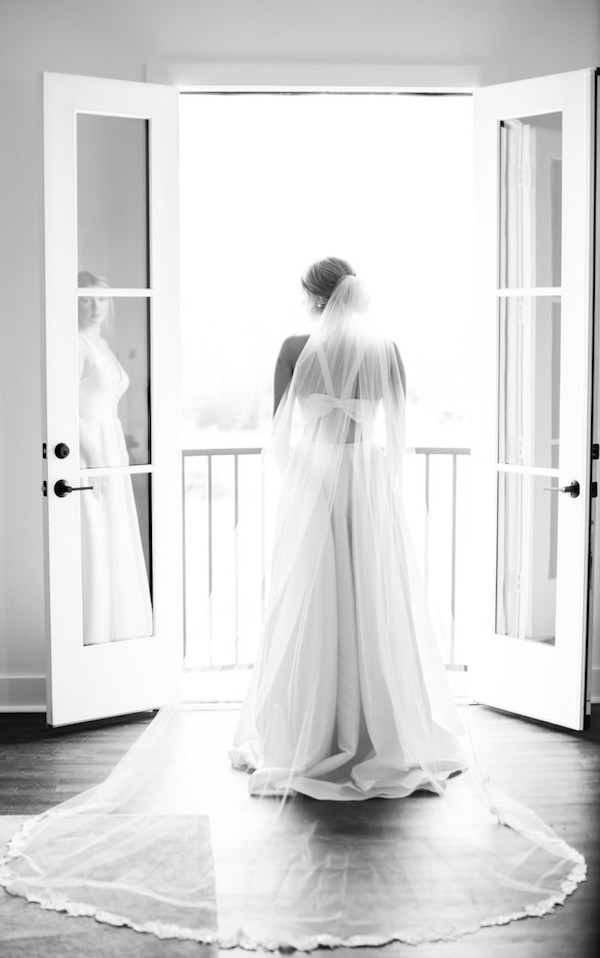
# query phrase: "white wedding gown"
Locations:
[[348, 701], [348, 698]]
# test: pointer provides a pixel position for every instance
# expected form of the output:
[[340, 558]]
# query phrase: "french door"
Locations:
[[112, 456], [111, 452], [535, 199]]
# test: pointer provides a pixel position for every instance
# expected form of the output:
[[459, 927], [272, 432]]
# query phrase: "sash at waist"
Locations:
[[318, 405]]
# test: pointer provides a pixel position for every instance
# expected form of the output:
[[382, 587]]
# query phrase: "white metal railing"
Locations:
[[217, 564]]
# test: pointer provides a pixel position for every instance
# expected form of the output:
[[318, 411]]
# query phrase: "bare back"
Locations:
[[288, 357]]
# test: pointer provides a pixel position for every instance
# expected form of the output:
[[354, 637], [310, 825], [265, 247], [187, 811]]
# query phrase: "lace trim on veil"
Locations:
[[162, 930]]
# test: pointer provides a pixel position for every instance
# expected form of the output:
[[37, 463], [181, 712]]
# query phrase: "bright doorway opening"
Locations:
[[269, 183]]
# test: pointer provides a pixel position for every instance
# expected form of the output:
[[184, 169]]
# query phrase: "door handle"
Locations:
[[62, 488], [572, 489]]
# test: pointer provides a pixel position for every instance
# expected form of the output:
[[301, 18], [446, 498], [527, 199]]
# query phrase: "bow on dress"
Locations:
[[317, 405]]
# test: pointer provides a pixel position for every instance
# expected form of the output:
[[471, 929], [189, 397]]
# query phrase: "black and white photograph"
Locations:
[[300, 418]]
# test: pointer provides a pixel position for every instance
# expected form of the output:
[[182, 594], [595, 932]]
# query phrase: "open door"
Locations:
[[535, 199], [112, 456]]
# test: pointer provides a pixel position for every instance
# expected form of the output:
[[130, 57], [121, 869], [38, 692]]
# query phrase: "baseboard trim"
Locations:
[[22, 693], [595, 689], [27, 693]]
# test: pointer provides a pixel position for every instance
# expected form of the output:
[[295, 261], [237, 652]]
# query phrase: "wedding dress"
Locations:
[[116, 593], [348, 701], [348, 698]]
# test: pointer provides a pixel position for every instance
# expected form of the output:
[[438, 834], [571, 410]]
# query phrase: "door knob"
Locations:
[[62, 488], [572, 489]]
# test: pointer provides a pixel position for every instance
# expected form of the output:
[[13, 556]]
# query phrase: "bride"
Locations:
[[348, 698]]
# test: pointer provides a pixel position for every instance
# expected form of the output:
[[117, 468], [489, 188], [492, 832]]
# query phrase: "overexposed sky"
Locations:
[[270, 183]]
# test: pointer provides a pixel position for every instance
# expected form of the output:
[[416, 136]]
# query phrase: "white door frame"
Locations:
[[545, 682], [117, 677]]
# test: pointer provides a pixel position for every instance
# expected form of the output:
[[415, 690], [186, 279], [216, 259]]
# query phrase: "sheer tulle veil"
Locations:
[[348, 653], [157, 848], [347, 360]]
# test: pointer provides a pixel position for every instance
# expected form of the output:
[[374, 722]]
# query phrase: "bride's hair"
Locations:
[[86, 278], [321, 278]]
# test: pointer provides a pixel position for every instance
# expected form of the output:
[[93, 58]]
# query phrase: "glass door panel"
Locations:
[[114, 380], [529, 381], [527, 554], [528, 375], [116, 558], [112, 199], [531, 201]]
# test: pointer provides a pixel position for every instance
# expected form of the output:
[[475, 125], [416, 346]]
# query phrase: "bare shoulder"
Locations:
[[401, 369], [285, 365], [292, 347]]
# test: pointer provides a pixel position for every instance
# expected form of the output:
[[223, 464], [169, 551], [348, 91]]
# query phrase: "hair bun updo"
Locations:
[[320, 279]]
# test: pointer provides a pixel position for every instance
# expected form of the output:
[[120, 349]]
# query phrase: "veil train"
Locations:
[[348, 701]]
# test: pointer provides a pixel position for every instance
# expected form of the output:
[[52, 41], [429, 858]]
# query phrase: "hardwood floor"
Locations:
[[41, 766], [556, 773]]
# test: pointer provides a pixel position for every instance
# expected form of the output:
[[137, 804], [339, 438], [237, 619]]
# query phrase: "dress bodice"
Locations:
[[103, 381]]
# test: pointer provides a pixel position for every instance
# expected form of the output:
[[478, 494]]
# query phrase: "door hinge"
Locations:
[[596, 450], [594, 491], [44, 450], [44, 488]]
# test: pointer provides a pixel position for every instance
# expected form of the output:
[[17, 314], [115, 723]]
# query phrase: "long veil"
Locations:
[[348, 698], [172, 844]]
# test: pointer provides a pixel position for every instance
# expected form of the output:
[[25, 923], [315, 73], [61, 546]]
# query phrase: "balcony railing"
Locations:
[[225, 494]]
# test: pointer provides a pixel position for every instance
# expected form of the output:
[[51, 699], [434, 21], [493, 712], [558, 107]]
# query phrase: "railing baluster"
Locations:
[[426, 557], [236, 562], [263, 538], [210, 561], [453, 564], [184, 548]]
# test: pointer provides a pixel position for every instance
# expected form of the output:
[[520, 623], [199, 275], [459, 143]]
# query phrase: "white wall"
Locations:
[[507, 39]]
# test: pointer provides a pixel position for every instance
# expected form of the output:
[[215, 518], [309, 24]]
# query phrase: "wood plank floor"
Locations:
[[556, 773]]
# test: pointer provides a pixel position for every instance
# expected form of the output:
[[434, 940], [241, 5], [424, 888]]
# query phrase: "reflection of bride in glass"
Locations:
[[116, 595]]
